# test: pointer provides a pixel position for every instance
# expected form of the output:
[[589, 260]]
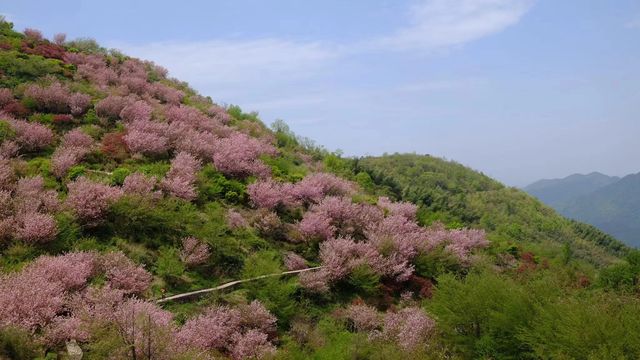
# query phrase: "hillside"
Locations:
[[458, 196], [609, 203], [141, 220], [614, 208], [558, 192]]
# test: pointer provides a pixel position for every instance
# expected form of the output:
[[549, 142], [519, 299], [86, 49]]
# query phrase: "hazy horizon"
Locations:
[[520, 90]]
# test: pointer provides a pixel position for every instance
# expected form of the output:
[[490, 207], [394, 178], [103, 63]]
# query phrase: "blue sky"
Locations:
[[519, 89]]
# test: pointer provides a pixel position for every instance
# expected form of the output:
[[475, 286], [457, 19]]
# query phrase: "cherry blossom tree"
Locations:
[[29, 300], [253, 344], [124, 274], [181, 178], [33, 34], [31, 136], [410, 327], [139, 184], [111, 106], [364, 317], [31, 196], [241, 333], [293, 261], [136, 111], [167, 94], [143, 142], [269, 194], [194, 252], [315, 187], [75, 146], [7, 174], [235, 220], [406, 209], [90, 200], [59, 38], [35, 227], [6, 97], [238, 155], [57, 98]]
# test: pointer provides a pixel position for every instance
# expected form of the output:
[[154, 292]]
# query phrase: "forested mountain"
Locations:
[[610, 203], [122, 191], [614, 208], [453, 194], [558, 192]]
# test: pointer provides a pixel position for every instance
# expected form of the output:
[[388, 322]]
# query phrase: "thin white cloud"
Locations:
[[433, 24], [272, 73], [441, 23], [235, 61]]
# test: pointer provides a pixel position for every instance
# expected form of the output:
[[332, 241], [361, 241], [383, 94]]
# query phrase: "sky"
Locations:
[[518, 89]]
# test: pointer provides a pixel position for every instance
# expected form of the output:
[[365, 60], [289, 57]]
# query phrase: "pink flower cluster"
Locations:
[[312, 189], [363, 317], [124, 274], [293, 261], [32, 297], [405, 209], [58, 99], [142, 326], [239, 155], [181, 178], [410, 328], [146, 137], [93, 68], [194, 252], [6, 97], [75, 145], [235, 220], [90, 200], [242, 333], [139, 184], [111, 106], [338, 216], [31, 136], [354, 235], [26, 213]]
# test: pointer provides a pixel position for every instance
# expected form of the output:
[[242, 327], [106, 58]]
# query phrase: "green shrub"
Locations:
[[19, 68], [68, 233], [16, 343], [276, 293], [118, 175], [154, 224], [364, 280], [76, 171], [46, 119], [481, 315], [589, 326], [169, 264], [618, 277], [6, 131], [212, 185], [90, 117]]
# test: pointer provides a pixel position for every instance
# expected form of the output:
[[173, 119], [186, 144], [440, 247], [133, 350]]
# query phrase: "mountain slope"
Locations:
[[457, 195], [558, 192], [614, 208]]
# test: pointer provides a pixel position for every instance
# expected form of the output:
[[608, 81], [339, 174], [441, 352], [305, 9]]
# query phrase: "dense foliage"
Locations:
[[120, 186]]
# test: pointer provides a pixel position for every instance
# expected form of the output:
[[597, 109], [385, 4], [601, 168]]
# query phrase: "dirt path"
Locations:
[[230, 284]]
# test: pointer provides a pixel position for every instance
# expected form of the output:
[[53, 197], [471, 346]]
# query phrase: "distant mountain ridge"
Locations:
[[557, 192], [610, 203]]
